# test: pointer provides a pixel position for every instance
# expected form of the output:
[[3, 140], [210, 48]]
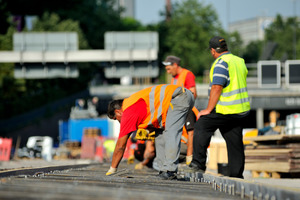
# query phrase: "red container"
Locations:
[[5, 148], [88, 147]]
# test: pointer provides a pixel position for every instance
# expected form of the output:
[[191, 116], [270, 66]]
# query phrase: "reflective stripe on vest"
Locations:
[[157, 99], [234, 98]]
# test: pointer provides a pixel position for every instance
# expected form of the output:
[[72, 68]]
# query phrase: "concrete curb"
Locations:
[[244, 188]]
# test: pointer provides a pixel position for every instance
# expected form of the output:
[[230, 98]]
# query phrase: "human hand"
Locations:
[[139, 166], [203, 112], [130, 160], [188, 159], [111, 171]]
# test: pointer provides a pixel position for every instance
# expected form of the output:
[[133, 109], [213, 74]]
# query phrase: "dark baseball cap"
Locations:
[[170, 60], [217, 42]]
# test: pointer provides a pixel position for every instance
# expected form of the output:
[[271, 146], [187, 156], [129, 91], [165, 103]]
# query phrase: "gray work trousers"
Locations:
[[168, 143]]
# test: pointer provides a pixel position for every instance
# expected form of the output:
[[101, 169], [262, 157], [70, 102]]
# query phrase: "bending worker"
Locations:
[[182, 76], [227, 109], [161, 106]]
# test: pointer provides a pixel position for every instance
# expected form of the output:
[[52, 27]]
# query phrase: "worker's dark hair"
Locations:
[[218, 43], [221, 49], [112, 106]]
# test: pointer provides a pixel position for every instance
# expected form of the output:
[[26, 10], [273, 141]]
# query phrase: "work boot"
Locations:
[[191, 168], [168, 175], [159, 173]]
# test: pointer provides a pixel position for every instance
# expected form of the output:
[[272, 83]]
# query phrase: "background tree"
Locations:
[[21, 95], [235, 43], [53, 23], [253, 51], [4, 17], [282, 31], [89, 19], [95, 17], [191, 26]]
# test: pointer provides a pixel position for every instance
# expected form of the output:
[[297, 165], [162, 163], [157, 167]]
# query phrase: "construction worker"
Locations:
[[182, 76], [227, 109], [144, 152], [161, 107]]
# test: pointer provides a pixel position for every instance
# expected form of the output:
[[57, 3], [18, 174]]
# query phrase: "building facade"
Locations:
[[251, 29]]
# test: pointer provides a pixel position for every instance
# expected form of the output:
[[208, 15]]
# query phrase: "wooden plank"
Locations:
[[264, 157], [290, 161], [268, 152], [295, 146], [265, 174], [294, 155], [272, 167], [276, 175], [261, 146], [268, 138], [255, 174]]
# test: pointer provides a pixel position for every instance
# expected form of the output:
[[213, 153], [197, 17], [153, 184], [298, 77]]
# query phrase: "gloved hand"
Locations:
[[139, 166], [111, 171], [188, 159], [130, 160]]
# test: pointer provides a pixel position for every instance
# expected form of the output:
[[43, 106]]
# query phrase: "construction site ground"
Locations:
[[85, 179]]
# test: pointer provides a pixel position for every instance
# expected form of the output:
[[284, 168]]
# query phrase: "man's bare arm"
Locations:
[[215, 93], [194, 91], [119, 151]]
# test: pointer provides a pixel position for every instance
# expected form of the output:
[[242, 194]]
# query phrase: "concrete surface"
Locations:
[[35, 163]]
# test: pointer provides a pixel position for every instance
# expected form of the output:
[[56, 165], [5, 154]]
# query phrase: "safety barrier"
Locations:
[[96, 147], [5, 148]]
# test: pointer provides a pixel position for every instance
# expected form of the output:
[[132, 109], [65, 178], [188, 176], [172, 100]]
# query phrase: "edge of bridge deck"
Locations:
[[38, 170], [233, 186]]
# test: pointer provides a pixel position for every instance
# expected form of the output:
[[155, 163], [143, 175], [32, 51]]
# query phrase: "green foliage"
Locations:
[[53, 23], [6, 69], [95, 18], [131, 24], [234, 43], [90, 19], [20, 95], [253, 51], [282, 31], [3, 17], [191, 26]]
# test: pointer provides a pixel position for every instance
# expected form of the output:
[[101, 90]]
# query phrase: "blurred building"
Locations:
[[251, 29], [128, 6]]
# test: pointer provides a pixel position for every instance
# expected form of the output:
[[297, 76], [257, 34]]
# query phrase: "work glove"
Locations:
[[188, 159], [111, 171], [139, 166], [130, 160]]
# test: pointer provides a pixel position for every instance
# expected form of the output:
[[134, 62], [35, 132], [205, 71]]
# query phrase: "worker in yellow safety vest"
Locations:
[[227, 109], [160, 107]]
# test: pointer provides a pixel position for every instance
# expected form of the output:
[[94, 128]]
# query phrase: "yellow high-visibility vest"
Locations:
[[234, 98]]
